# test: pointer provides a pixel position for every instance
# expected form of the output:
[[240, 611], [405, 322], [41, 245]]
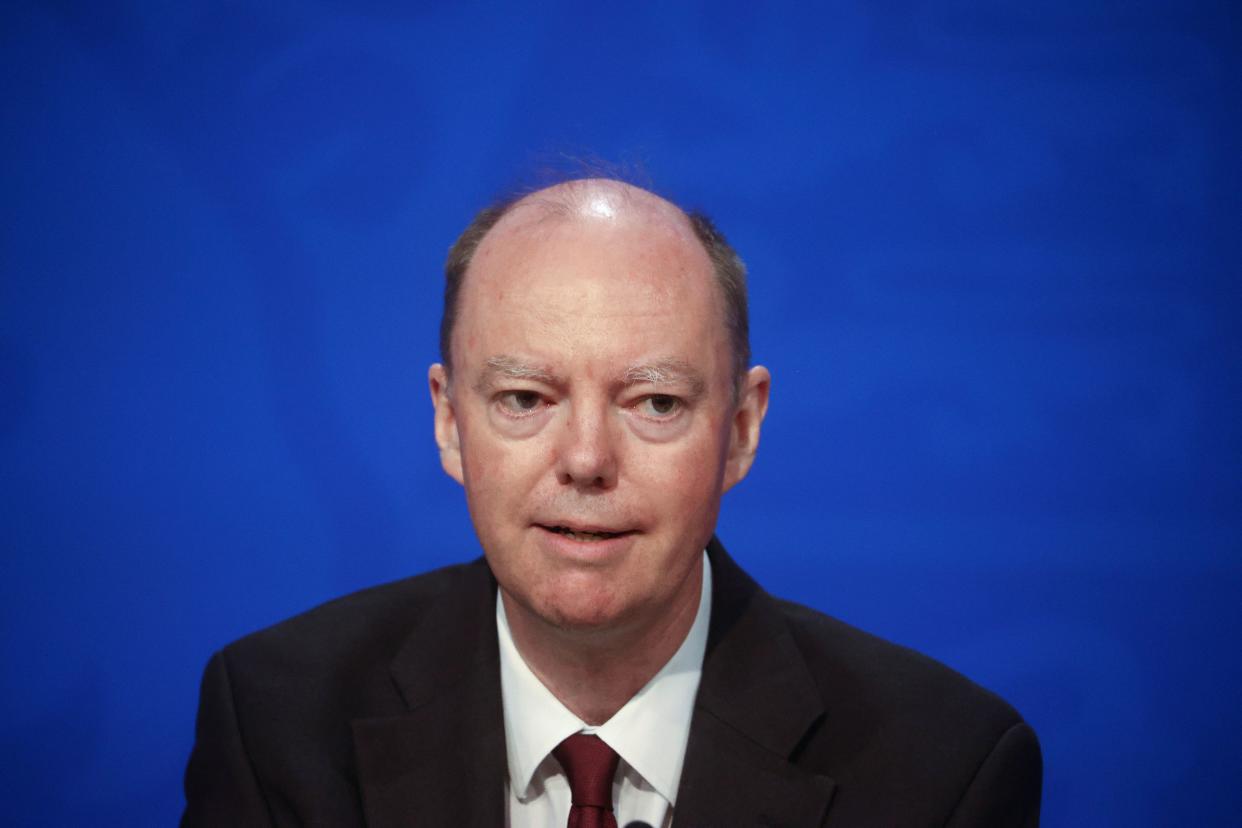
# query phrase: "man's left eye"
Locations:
[[659, 406]]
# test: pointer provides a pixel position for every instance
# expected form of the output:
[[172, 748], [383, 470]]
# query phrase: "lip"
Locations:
[[592, 551], [577, 526]]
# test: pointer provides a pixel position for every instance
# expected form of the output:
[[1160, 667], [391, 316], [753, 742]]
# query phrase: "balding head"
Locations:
[[600, 199]]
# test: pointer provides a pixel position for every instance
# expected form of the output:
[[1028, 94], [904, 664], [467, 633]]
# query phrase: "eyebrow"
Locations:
[[513, 368], [661, 372], [666, 372]]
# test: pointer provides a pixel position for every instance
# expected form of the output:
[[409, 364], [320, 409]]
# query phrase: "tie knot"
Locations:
[[590, 765]]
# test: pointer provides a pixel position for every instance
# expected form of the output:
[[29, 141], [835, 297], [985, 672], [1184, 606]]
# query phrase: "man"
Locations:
[[608, 663]]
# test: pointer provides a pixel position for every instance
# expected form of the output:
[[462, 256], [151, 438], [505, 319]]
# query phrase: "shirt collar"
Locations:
[[649, 732]]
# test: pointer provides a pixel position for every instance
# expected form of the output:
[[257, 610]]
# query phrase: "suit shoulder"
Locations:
[[361, 627], [882, 681], [905, 735]]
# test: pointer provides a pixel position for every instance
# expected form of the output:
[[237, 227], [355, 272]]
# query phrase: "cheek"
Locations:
[[484, 470], [687, 477], [500, 471], [475, 468]]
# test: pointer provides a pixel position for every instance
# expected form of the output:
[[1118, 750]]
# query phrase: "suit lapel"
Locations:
[[756, 702], [442, 761]]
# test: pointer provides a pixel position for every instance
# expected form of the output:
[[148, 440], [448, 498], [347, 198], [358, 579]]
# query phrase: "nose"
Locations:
[[587, 451]]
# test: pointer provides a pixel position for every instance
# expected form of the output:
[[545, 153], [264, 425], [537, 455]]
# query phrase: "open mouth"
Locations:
[[581, 535]]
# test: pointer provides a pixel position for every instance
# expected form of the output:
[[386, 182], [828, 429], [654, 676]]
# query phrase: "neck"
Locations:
[[595, 672]]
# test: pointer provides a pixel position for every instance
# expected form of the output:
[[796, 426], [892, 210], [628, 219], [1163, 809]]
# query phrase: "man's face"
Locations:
[[591, 413]]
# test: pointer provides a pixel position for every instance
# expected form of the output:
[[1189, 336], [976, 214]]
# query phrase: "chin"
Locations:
[[581, 610]]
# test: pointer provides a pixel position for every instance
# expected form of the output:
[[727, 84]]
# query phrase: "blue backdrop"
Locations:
[[994, 257]]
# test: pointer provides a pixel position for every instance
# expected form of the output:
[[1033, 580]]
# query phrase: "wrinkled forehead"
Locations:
[[597, 240], [603, 247], [565, 238], [604, 273]]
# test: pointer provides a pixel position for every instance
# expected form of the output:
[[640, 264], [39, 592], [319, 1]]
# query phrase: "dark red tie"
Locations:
[[590, 765]]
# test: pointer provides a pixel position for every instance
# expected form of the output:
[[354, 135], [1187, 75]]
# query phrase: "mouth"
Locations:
[[584, 535]]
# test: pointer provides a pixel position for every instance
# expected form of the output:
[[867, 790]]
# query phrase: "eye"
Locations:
[[518, 403], [659, 406]]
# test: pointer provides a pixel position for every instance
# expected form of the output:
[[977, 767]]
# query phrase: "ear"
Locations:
[[752, 405], [447, 437]]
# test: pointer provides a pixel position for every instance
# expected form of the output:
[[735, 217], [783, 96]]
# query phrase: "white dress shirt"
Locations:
[[649, 733]]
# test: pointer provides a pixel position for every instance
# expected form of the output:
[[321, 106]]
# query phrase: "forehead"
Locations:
[[607, 270], [609, 216]]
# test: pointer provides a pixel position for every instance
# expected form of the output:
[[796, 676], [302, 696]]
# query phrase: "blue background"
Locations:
[[994, 259]]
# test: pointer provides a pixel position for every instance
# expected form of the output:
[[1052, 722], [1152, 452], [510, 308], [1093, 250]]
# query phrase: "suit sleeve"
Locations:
[[221, 788], [1005, 792]]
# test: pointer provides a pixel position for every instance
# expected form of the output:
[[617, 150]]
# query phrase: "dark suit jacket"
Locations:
[[383, 709]]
